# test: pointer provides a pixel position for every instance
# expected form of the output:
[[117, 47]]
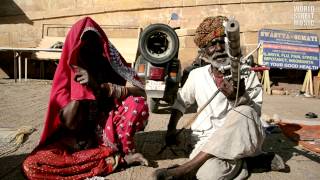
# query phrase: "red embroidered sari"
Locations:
[[115, 128]]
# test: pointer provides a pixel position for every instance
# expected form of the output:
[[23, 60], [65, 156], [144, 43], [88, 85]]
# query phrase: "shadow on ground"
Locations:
[[11, 167], [278, 143], [150, 143], [165, 108], [287, 148]]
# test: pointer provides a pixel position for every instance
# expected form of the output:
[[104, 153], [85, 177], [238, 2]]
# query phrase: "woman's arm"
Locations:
[[136, 91], [68, 115], [112, 90], [120, 92], [74, 115]]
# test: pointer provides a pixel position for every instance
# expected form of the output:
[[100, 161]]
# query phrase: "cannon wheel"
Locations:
[[158, 43]]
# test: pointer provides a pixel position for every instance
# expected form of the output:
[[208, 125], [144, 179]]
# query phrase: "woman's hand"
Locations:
[[83, 77]]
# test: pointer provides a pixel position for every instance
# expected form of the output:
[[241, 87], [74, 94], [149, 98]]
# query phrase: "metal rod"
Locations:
[[30, 49], [15, 54], [25, 69], [19, 67]]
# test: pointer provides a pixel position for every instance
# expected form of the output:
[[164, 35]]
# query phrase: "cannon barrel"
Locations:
[[232, 31]]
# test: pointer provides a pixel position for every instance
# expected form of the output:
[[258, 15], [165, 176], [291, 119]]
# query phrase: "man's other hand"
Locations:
[[230, 90]]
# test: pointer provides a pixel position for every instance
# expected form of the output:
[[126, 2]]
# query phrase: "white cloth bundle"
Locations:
[[12, 138]]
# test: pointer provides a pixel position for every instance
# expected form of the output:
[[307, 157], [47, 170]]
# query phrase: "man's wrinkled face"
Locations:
[[216, 52], [215, 46]]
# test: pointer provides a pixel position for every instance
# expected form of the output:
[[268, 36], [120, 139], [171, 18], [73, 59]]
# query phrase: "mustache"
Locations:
[[218, 64], [218, 55]]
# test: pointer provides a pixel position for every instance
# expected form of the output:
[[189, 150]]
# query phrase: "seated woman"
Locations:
[[92, 117]]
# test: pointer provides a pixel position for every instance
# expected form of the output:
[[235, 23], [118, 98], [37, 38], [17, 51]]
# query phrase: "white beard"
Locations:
[[219, 59]]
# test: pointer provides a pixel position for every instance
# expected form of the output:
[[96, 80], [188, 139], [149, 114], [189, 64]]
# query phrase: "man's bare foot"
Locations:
[[174, 172], [184, 170], [136, 158]]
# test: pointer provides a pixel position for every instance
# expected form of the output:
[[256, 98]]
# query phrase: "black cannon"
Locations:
[[158, 64]]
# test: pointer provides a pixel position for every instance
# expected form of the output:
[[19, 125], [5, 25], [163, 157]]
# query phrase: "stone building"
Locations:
[[23, 23]]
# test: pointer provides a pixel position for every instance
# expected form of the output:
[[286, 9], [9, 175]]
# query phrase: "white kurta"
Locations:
[[199, 88]]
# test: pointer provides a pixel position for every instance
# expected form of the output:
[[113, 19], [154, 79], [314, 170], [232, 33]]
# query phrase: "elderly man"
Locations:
[[224, 132]]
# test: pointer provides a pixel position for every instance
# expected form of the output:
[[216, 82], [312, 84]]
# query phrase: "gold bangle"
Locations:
[[124, 92]]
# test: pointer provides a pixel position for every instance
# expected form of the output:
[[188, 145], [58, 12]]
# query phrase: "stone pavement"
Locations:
[[26, 104]]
